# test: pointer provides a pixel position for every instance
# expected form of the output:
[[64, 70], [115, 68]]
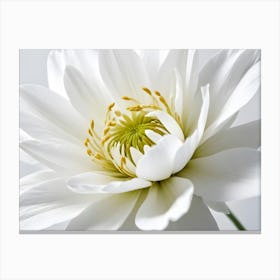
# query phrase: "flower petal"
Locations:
[[32, 179], [166, 201], [43, 129], [246, 135], [241, 95], [91, 182], [89, 101], [169, 122], [53, 108], [49, 202], [175, 59], [198, 218], [229, 175], [157, 163], [107, 214], [47, 218], [59, 156], [123, 72], [85, 61], [185, 152]]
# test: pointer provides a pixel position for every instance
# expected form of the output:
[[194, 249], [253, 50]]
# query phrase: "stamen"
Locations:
[[126, 129], [118, 113], [163, 101], [147, 90], [92, 125]]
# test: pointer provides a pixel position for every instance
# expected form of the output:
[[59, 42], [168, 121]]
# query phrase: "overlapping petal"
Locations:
[[166, 201], [102, 183], [229, 175]]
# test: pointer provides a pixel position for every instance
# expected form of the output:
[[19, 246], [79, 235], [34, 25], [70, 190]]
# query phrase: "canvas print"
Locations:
[[139, 140]]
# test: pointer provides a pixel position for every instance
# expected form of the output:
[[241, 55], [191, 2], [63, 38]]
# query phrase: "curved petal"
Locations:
[[175, 59], [90, 102], [49, 217], [49, 202], [223, 72], [151, 60], [185, 152], [85, 61], [31, 180], [157, 163], [54, 109], [100, 183], [123, 72], [248, 86], [43, 129], [246, 135], [198, 218], [229, 175], [169, 123], [59, 156], [107, 214], [166, 201]]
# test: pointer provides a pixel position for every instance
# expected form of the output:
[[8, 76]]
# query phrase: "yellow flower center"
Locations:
[[126, 130]]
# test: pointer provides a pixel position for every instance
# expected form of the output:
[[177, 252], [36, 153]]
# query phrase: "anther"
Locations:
[[118, 113], [92, 125], [147, 90], [86, 142], [111, 106]]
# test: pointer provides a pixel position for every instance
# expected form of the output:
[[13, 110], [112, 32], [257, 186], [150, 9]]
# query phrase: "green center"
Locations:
[[130, 132]]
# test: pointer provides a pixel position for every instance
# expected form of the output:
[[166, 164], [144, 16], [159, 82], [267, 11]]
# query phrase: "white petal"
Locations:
[[197, 218], [49, 202], [155, 137], [55, 109], [157, 162], [56, 66], [242, 94], [123, 72], [107, 214], [247, 135], [151, 59], [85, 61], [185, 152], [136, 154], [167, 201], [176, 59], [60, 156], [229, 175], [47, 218], [170, 124], [100, 183], [179, 101], [89, 101], [223, 72], [43, 129], [31, 180]]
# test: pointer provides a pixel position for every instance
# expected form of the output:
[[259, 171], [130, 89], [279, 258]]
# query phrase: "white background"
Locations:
[[155, 24]]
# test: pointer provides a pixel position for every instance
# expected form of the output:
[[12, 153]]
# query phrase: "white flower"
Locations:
[[139, 138]]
